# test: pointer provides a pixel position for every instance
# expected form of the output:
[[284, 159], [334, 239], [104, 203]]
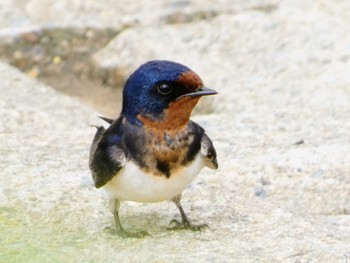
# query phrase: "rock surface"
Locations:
[[280, 125], [117, 14]]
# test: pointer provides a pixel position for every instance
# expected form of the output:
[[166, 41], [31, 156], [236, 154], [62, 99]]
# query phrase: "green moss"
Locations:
[[26, 240]]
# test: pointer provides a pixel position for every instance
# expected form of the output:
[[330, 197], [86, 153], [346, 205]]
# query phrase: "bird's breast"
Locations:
[[133, 183], [162, 152]]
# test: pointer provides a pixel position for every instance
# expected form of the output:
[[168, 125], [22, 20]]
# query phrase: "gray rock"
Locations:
[[50, 206], [116, 14], [282, 77], [282, 74]]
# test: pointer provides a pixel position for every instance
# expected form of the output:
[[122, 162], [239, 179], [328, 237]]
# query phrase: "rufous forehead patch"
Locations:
[[190, 80]]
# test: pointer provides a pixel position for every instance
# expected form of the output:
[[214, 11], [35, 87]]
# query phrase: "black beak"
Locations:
[[200, 92]]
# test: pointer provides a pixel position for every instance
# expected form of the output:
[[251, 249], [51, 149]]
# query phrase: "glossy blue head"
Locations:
[[155, 85]]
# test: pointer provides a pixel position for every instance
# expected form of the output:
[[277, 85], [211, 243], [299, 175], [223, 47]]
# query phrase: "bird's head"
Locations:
[[162, 94]]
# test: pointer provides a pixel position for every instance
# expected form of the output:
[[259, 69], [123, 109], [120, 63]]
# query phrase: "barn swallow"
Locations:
[[153, 151]]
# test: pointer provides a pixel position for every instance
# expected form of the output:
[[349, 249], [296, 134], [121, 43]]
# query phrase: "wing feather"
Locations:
[[208, 152], [107, 156]]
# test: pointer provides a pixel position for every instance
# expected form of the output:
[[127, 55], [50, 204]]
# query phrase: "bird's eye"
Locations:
[[164, 88]]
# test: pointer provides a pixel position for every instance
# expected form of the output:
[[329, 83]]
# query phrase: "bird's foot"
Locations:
[[177, 225], [125, 234]]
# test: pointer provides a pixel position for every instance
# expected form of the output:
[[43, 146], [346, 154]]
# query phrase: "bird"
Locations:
[[153, 151]]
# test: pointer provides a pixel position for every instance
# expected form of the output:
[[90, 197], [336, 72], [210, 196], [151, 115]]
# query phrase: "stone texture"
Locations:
[[116, 14], [280, 125], [282, 77]]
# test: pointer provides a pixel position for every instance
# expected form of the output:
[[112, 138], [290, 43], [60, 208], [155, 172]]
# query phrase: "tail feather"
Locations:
[[106, 119]]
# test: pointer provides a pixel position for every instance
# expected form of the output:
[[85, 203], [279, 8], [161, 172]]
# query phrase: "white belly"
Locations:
[[133, 184]]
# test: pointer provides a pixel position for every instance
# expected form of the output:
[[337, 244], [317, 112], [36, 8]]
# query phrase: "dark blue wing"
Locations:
[[107, 156]]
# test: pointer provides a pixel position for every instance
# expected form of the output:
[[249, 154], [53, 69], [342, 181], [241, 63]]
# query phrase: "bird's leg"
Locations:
[[119, 229], [186, 223]]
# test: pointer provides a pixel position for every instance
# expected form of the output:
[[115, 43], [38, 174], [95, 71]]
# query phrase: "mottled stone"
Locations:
[[283, 77]]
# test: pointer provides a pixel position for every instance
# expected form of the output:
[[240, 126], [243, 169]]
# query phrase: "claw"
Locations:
[[186, 225], [119, 230], [124, 234], [176, 225]]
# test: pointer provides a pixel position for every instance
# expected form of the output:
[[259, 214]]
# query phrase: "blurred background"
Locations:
[[280, 124], [86, 49]]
